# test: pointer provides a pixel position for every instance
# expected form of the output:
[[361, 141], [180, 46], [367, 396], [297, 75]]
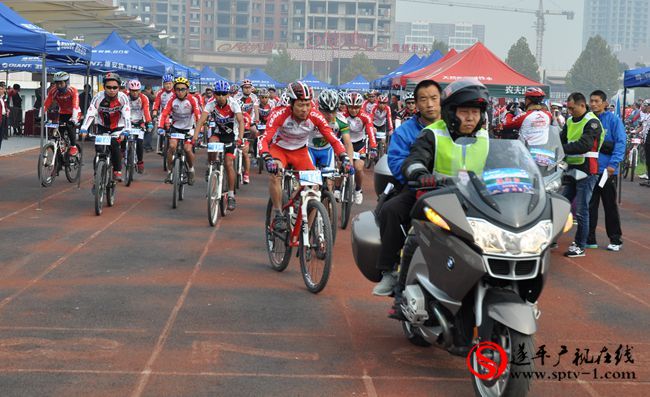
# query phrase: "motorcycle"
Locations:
[[474, 264]]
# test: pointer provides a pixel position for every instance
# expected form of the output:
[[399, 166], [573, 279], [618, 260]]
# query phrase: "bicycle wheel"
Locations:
[[214, 196], [183, 175], [367, 163], [329, 202], [223, 207], [111, 188], [164, 153], [260, 165], [277, 244], [129, 160], [316, 260], [47, 165], [73, 166], [625, 166], [100, 186], [176, 181], [238, 173], [633, 162], [346, 202]]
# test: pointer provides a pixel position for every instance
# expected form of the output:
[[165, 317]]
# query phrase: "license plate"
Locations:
[[635, 140], [215, 147], [356, 156], [51, 125], [310, 178], [103, 140], [176, 135], [380, 135]]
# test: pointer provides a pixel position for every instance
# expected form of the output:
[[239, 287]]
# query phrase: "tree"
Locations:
[[521, 59], [596, 68], [282, 67], [359, 64], [440, 46]]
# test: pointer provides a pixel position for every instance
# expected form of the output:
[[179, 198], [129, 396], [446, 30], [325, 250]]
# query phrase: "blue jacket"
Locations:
[[400, 145], [614, 132]]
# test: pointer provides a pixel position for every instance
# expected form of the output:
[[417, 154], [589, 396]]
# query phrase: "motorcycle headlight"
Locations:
[[495, 240]]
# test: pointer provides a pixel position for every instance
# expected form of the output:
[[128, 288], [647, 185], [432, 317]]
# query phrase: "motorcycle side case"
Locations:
[[383, 175], [366, 244]]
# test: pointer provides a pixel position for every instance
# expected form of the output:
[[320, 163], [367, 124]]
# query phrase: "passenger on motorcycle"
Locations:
[[284, 142], [533, 125], [361, 128], [139, 116], [184, 112], [111, 112], [227, 114], [67, 99]]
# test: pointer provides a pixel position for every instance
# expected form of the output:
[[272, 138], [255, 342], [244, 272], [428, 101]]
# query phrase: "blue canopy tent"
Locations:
[[115, 55], [412, 61], [358, 83], [179, 70], [262, 80], [169, 67], [209, 76], [313, 82]]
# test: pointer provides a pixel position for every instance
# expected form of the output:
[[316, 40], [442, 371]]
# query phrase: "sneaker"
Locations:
[[73, 151], [117, 176], [643, 176], [246, 179], [232, 204], [645, 183], [168, 179], [358, 197], [190, 178], [591, 246], [279, 222], [337, 195], [614, 247], [386, 285], [574, 252], [140, 167]]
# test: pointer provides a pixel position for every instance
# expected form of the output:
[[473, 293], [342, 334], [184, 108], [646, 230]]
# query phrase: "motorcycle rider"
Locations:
[[533, 125], [427, 93], [435, 154]]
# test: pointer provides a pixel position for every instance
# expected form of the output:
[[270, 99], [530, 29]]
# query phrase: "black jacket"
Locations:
[[586, 143], [422, 157]]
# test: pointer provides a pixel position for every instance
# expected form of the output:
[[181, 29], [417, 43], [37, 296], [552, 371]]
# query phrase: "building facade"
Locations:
[[456, 35], [622, 23]]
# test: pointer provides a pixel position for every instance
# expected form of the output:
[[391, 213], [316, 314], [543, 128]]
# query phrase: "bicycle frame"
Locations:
[[304, 195]]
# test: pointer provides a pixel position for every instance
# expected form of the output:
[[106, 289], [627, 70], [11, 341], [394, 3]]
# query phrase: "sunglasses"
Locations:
[[221, 93], [354, 107], [180, 89], [111, 87], [410, 102]]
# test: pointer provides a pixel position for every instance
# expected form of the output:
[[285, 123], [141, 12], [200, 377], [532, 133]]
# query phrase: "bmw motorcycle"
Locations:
[[474, 264]]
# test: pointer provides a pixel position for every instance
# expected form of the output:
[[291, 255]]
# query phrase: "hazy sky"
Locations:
[[562, 39]]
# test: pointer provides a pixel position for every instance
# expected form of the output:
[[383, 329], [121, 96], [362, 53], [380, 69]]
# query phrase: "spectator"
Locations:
[[556, 111], [39, 97], [148, 92], [610, 156], [15, 103], [4, 112], [85, 97]]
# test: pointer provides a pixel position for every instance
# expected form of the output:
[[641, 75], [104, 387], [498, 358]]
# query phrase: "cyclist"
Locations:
[[140, 115], [273, 96], [286, 137], [342, 106], [408, 111], [381, 115], [534, 123], [199, 98], [184, 111], [361, 128], [227, 114], [67, 99], [111, 111], [370, 102], [234, 90], [249, 104], [162, 97], [265, 105]]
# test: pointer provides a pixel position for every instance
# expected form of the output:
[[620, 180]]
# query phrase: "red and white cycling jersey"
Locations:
[[382, 117], [68, 102], [367, 106], [533, 126], [140, 108], [360, 126], [199, 100], [265, 111], [162, 97], [284, 131], [184, 112], [111, 113], [247, 102], [224, 116]]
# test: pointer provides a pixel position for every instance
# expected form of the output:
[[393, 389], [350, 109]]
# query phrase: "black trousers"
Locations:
[[612, 220], [3, 128], [647, 155], [394, 217]]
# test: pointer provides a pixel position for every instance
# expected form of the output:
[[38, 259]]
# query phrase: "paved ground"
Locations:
[[150, 301], [18, 144]]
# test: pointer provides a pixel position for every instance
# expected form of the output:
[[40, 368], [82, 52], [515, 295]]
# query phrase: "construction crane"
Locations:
[[540, 13]]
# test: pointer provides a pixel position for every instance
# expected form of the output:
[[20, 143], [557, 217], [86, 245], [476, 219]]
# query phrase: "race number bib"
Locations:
[[310, 178], [137, 133], [380, 135], [356, 156], [214, 147], [103, 140], [51, 125], [176, 135]]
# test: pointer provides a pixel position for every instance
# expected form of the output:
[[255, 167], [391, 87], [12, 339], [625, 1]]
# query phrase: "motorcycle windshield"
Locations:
[[547, 156], [509, 189]]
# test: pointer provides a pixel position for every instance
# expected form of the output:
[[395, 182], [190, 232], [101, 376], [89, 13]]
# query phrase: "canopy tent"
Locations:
[[179, 69], [313, 82], [400, 81], [411, 62], [636, 78], [114, 55], [358, 83], [478, 62], [209, 76], [18, 36], [169, 67], [261, 79]]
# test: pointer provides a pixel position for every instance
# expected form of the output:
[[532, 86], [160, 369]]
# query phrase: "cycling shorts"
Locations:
[[188, 134], [298, 158], [323, 158], [359, 147], [228, 141]]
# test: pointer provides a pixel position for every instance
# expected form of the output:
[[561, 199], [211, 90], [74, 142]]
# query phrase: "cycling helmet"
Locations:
[[61, 76], [222, 86], [112, 76], [246, 82], [409, 97], [192, 89], [534, 94], [168, 78], [382, 99], [263, 92], [234, 89], [284, 99], [122, 85], [272, 88], [342, 97], [353, 99], [467, 93], [328, 100], [134, 85], [299, 90], [181, 80]]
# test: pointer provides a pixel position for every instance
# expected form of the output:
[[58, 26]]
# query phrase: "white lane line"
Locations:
[[66, 329]]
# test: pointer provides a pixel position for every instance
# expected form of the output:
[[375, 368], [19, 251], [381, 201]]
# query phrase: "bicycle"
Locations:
[[367, 161], [632, 155], [347, 198], [217, 184], [328, 200], [310, 229], [55, 155], [258, 159], [130, 158], [239, 166], [103, 183], [179, 168], [381, 144]]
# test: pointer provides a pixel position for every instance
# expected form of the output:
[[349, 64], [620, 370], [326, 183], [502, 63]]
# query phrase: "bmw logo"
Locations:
[[450, 263]]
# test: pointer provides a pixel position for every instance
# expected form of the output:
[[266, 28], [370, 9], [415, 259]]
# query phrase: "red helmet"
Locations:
[[246, 82], [383, 99], [299, 90], [534, 92]]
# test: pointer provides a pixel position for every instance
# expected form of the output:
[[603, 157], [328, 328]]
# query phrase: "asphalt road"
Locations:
[[150, 301]]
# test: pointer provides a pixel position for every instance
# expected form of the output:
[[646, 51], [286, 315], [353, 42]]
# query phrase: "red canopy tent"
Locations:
[[480, 63]]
